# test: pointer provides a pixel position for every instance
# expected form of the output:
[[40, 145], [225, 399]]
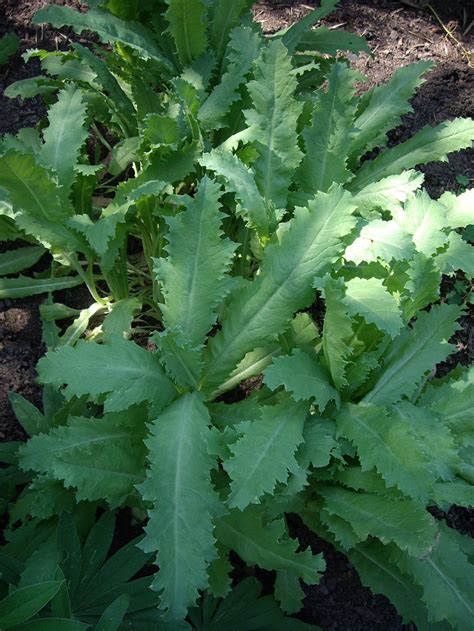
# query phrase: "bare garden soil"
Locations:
[[398, 33]]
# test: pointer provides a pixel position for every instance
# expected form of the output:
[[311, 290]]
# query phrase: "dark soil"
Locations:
[[398, 33]]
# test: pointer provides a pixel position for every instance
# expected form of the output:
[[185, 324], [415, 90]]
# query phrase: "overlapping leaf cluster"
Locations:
[[251, 198]]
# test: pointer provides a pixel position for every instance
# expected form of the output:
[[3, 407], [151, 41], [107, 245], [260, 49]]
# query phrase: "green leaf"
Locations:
[[20, 259], [291, 36], [119, 102], [101, 458], [240, 180], [219, 574], [301, 375], [319, 442], [328, 42], [386, 442], [273, 121], [423, 218], [36, 203], [265, 453], [25, 602], [119, 320], [385, 240], [369, 298], [428, 145], [182, 362], [113, 616], [53, 624], [377, 571], [224, 18], [64, 136], [403, 522], [447, 580], [327, 138], [123, 154], [186, 19], [459, 255], [264, 307], [9, 45], [95, 549], [114, 574], [127, 373], [423, 286], [337, 329], [389, 192], [69, 546], [43, 498], [109, 28], [460, 211], [383, 107], [433, 435], [28, 415], [413, 354], [160, 130], [26, 286], [184, 503], [243, 49], [34, 86], [193, 275], [267, 545], [456, 406], [288, 592]]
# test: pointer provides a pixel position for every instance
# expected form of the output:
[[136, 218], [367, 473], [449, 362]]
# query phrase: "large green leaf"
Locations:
[[109, 28], [460, 208], [389, 192], [447, 580], [414, 353], [328, 42], [23, 603], [267, 544], [292, 35], [456, 406], [403, 522], [423, 285], [379, 239], [25, 286], [459, 255], [265, 453], [127, 373], [383, 106], [36, 203], [186, 19], [242, 51], [273, 121], [436, 440], [184, 503], [64, 136], [17, 260], [303, 376], [369, 298], [428, 145], [337, 329], [193, 276], [328, 136], [240, 180], [264, 307], [424, 219], [386, 442], [378, 572], [101, 458], [225, 17]]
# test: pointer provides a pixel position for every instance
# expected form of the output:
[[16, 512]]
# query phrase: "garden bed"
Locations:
[[399, 34]]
